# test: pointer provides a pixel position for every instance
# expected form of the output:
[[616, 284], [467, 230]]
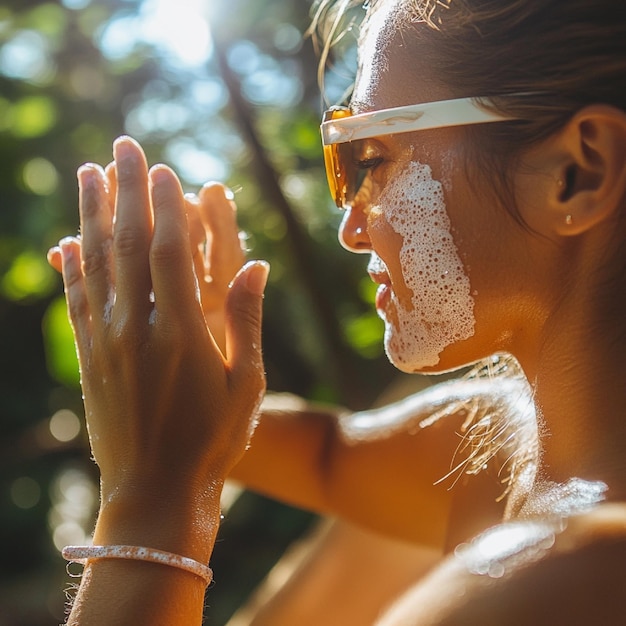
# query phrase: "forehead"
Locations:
[[393, 69]]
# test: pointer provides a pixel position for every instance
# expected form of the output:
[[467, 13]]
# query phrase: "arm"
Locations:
[[168, 412], [310, 456]]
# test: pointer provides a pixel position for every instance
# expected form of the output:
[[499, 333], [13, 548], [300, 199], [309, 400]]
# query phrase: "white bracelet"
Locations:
[[81, 554]]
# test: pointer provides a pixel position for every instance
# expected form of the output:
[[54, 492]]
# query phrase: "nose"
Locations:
[[353, 230]]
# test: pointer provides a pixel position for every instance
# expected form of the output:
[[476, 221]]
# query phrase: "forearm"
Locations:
[[286, 457]]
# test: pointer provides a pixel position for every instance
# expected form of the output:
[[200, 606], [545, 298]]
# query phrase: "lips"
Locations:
[[383, 295], [379, 274]]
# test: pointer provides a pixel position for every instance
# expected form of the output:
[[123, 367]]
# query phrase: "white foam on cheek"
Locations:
[[442, 308]]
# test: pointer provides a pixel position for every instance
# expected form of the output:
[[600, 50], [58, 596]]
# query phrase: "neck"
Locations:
[[580, 394]]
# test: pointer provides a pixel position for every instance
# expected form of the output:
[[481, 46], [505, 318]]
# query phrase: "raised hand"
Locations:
[[166, 409]]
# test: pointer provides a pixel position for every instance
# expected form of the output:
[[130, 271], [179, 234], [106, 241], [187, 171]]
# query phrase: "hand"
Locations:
[[166, 409]]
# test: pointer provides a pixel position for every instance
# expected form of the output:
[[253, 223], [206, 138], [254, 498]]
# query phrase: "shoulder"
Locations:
[[529, 572]]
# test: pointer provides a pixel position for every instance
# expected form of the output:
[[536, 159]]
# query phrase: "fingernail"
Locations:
[[124, 153], [256, 278], [54, 251], [159, 174], [87, 174], [67, 250], [229, 194], [192, 197], [92, 167]]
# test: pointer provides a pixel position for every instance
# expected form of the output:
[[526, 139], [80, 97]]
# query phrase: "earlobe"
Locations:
[[591, 173]]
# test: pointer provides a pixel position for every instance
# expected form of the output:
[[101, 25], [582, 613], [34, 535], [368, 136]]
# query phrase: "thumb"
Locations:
[[243, 316]]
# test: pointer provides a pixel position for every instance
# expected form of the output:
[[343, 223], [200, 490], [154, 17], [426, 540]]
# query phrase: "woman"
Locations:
[[493, 226]]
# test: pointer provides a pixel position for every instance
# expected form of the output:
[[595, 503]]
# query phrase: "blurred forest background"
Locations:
[[219, 89]]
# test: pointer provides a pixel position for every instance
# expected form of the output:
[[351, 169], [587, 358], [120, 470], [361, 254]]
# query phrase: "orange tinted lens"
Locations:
[[333, 174], [339, 167]]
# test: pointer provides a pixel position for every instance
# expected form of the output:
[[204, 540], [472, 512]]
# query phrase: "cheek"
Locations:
[[440, 309], [428, 258]]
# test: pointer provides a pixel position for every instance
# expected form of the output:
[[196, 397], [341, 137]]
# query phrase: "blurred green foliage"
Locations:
[[74, 74]]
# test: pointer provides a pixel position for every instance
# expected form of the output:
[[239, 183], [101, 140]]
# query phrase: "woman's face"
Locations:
[[437, 242]]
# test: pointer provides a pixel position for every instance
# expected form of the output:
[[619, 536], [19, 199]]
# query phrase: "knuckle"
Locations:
[[163, 252], [173, 334], [72, 278], [253, 379], [128, 241], [94, 261], [127, 339]]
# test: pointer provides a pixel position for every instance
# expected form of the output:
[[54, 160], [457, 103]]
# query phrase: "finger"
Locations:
[[171, 263], [54, 258], [243, 320], [75, 294], [96, 238], [224, 254], [133, 229]]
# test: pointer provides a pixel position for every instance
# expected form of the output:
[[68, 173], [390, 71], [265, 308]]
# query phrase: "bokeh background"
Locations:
[[219, 89]]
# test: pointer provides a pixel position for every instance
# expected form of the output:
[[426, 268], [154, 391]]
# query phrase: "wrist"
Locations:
[[180, 521]]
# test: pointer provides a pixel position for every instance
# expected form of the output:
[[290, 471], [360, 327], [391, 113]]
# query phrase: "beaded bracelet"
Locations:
[[81, 554]]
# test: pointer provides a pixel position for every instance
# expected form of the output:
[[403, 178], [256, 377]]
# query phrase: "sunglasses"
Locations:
[[340, 128]]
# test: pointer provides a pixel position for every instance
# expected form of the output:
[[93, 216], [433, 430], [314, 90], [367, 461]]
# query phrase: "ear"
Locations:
[[583, 173]]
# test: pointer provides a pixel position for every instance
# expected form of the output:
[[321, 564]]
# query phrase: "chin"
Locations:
[[421, 340], [415, 357], [409, 357]]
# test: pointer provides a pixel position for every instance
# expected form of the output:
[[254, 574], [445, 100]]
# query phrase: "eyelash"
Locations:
[[368, 164]]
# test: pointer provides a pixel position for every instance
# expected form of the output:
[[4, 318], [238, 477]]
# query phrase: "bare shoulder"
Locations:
[[528, 572]]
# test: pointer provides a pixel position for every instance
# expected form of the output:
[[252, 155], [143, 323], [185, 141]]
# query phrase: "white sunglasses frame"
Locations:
[[405, 119]]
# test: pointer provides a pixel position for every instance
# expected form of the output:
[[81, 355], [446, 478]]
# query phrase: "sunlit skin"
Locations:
[[484, 232], [307, 436], [553, 296], [519, 277], [533, 291]]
